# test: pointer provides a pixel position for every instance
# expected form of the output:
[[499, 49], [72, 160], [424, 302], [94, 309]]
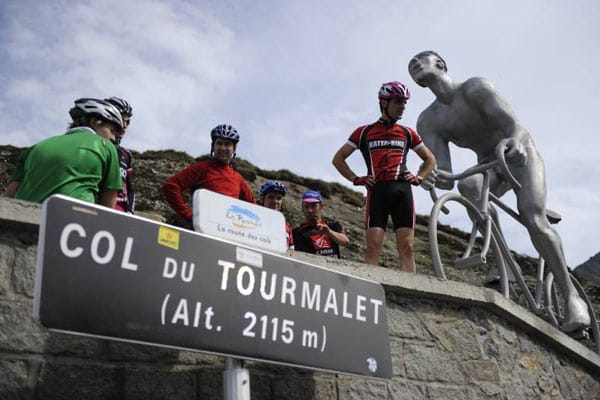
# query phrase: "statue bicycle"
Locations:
[[544, 299]]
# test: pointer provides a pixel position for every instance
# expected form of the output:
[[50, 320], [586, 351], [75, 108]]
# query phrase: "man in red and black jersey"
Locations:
[[317, 235], [384, 146], [213, 174]]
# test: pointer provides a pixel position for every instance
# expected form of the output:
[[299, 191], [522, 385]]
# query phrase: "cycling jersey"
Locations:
[[308, 239], [206, 174], [385, 148], [78, 164], [289, 236], [126, 197]]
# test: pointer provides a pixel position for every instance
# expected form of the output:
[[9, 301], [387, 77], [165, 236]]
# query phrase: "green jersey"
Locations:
[[78, 164]]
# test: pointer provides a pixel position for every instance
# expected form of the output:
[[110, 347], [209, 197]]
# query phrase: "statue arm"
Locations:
[[438, 145]]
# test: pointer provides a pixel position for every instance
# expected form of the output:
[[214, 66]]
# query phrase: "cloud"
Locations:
[[164, 58], [296, 77]]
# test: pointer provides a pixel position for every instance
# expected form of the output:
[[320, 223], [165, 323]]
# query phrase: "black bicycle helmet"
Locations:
[[226, 132], [122, 105]]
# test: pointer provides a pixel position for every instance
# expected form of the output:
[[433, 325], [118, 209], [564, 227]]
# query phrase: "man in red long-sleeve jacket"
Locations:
[[213, 174]]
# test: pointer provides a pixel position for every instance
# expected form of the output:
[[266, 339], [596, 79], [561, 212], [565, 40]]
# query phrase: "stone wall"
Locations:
[[449, 341]]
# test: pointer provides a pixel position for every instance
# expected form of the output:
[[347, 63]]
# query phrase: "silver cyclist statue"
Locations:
[[473, 115]]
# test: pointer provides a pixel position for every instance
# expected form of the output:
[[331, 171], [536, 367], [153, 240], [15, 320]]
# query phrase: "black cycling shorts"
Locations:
[[390, 198]]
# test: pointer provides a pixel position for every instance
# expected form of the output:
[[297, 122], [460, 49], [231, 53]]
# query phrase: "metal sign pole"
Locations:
[[236, 380]]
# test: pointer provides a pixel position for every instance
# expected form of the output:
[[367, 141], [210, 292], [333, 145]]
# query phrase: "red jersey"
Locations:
[[205, 174], [385, 148]]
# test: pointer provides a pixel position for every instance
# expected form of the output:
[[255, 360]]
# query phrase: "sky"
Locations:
[[297, 77]]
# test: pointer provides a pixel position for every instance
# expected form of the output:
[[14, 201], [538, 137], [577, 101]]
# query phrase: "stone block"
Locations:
[[431, 363], [515, 389], [435, 392], [261, 382], [362, 389], [294, 387], [7, 260], [159, 382], [460, 337], [325, 387], [121, 351], [404, 322], [68, 345], [575, 383], [482, 370], [491, 390], [501, 345], [406, 390], [18, 331], [195, 358], [210, 383], [396, 351], [77, 380], [14, 381], [23, 273]]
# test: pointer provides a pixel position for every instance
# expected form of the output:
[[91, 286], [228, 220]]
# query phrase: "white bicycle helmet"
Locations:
[[96, 107]]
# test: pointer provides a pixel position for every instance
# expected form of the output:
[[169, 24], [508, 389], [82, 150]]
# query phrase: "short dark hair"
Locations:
[[441, 64]]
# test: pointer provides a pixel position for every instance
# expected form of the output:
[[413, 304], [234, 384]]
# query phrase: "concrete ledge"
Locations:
[[19, 213]]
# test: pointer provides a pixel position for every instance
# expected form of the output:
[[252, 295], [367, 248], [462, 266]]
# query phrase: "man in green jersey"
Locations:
[[83, 163]]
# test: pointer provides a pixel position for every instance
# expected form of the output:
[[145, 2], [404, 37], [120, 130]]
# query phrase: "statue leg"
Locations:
[[531, 203]]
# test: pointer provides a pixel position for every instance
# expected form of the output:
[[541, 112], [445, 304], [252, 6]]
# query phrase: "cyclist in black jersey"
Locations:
[[384, 146], [126, 197], [318, 235]]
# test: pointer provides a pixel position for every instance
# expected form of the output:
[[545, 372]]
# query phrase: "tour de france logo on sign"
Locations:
[[243, 218], [168, 237]]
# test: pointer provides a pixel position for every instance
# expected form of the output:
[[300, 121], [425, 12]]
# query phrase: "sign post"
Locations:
[[242, 222], [107, 274], [236, 380]]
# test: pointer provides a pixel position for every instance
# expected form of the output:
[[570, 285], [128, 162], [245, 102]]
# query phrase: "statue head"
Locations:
[[425, 63], [441, 63]]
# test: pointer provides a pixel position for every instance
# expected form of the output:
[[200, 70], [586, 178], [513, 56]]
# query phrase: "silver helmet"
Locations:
[[96, 107]]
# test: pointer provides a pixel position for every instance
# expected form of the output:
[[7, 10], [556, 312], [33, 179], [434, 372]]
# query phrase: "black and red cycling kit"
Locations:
[[308, 239], [289, 236], [206, 174], [384, 147], [126, 197]]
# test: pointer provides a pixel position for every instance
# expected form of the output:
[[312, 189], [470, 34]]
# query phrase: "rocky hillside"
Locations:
[[341, 203]]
